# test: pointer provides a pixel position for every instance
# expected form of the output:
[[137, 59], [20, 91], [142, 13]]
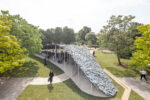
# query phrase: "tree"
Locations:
[[28, 34], [11, 54], [58, 35], [131, 34], [47, 36], [68, 35], [116, 37], [91, 38], [141, 58], [82, 33]]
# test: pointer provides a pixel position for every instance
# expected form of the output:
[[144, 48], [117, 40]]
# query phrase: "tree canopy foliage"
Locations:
[[69, 35], [91, 38], [82, 33], [11, 54], [28, 34], [58, 35], [47, 36], [118, 35], [141, 58]]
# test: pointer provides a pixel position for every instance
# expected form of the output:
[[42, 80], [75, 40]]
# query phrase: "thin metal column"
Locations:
[[78, 73], [55, 53], [64, 61]]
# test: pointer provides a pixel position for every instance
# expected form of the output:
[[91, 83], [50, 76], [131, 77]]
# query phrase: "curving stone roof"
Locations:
[[91, 69]]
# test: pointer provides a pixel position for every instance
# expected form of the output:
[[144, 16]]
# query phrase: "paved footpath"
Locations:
[[127, 90], [44, 81], [141, 87], [13, 87]]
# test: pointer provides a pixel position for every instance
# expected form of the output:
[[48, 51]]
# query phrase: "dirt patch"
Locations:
[[123, 65], [107, 51]]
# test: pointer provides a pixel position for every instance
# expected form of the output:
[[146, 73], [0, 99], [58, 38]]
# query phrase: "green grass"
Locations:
[[66, 90], [109, 62], [135, 96], [33, 67]]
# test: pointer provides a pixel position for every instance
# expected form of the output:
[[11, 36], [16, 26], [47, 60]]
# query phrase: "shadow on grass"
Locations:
[[76, 90], [50, 87], [49, 65], [28, 69]]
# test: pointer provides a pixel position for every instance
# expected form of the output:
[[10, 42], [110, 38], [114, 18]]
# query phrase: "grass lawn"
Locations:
[[66, 90], [33, 67], [135, 96], [107, 61]]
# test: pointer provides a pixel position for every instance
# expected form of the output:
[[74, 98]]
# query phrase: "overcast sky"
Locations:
[[76, 13]]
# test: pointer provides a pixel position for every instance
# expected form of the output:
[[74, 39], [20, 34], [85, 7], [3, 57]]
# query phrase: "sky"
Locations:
[[76, 13]]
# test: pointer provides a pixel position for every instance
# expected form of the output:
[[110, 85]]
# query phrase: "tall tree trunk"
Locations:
[[118, 57]]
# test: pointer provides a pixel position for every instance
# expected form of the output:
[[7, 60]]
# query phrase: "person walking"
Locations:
[[143, 74], [51, 75]]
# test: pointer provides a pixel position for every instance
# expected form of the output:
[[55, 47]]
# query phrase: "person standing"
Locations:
[[94, 53], [51, 75], [143, 74], [45, 63]]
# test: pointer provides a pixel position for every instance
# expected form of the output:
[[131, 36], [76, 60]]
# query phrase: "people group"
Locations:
[[60, 57]]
